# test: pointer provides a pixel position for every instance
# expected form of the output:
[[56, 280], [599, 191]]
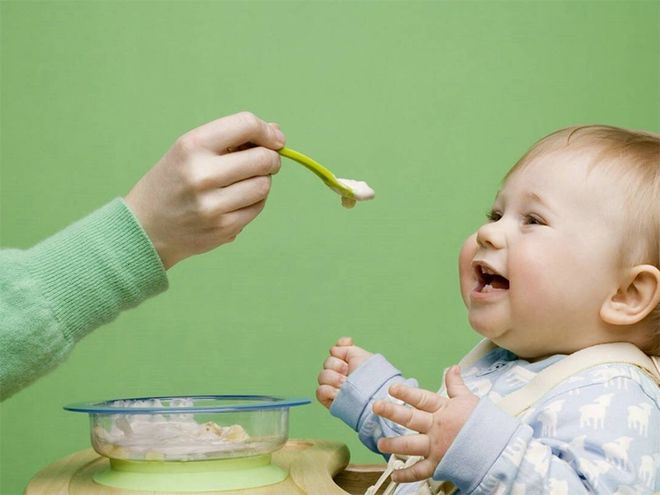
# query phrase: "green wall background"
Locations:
[[430, 102]]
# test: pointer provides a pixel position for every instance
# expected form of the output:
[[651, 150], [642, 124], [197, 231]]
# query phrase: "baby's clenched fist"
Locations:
[[343, 360]]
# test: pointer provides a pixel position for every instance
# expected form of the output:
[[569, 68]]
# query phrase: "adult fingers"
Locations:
[[236, 196], [336, 364], [222, 171], [344, 341], [332, 378], [225, 228], [405, 445], [409, 417], [419, 471], [234, 130], [241, 217], [420, 398]]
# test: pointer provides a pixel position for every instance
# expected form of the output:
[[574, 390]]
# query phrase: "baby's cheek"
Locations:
[[467, 278], [531, 280], [539, 284]]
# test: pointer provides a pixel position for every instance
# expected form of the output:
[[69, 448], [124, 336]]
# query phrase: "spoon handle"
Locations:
[[323, 173]]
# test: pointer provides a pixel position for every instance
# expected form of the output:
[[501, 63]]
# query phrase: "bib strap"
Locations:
[[617, 352]]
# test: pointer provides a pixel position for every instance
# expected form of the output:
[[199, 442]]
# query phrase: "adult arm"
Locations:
[[55, 293], [212, 182]]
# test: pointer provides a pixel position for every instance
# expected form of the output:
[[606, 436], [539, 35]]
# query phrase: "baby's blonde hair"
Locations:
[[633, 157]]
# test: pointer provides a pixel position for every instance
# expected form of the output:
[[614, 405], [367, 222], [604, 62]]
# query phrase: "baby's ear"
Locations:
[[638, 295]]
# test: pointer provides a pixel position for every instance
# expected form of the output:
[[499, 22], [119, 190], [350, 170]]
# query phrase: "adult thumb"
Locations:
[[454, 383]]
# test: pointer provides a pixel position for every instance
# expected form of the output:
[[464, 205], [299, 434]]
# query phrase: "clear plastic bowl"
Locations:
[[186, 428]]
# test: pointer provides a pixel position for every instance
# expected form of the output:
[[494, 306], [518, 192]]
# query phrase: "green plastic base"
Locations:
[[191, 476]]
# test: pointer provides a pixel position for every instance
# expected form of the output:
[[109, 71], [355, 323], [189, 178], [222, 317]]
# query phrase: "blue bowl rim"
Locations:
[[265, 402]]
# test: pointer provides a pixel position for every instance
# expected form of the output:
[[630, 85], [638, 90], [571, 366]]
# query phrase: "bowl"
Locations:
[[188, 428]]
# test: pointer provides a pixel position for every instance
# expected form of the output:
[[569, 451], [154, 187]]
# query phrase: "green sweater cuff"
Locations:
[[95, 268]]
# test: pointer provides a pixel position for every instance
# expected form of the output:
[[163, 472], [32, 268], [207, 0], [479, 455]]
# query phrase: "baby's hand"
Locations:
[[437, 419], [343, 360]]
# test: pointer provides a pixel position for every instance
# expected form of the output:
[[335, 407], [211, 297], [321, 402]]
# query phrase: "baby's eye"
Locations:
[[493, 215], [532, 219]]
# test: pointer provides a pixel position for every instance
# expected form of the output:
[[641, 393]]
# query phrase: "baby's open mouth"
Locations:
[[488, 279]]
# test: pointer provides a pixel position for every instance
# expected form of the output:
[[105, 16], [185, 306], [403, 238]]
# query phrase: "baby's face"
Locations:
[[535, 275]]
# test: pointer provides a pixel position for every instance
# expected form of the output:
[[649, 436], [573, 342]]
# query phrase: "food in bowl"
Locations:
[[188, 428]]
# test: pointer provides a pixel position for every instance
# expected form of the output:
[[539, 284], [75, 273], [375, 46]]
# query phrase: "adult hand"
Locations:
[[343, 360], [208, 186], [437, 420]]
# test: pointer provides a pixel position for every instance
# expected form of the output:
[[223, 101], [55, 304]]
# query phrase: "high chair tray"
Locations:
[[317, 467]]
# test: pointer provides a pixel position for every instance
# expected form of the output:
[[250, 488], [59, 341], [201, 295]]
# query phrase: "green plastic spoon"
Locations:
[[323, 173]]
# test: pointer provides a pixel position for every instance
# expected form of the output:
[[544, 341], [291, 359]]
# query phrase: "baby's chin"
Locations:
[[491, 320], [486, 328], [505, 338]]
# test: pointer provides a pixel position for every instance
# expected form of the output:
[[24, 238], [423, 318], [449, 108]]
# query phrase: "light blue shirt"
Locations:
[[597, 432]]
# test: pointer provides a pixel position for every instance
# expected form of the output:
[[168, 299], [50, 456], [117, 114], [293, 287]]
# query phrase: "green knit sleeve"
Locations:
[[55, 293]]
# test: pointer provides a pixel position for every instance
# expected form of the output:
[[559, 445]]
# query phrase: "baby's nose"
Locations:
[[491, 235]]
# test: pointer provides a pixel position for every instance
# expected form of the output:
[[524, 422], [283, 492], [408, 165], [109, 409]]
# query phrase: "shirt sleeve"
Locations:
[[55, 293], [596, 438], [367, 384]]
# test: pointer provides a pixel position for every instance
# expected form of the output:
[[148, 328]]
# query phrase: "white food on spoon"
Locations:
[[361, 192]]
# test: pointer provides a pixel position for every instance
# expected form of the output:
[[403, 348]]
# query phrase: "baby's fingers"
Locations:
[[336, 364], [419, 471], [405, 445], [326, 394], [409, 417], [332, 378], [340, 351], [420, 398]]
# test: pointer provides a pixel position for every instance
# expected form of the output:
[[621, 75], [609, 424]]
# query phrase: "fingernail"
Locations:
[[279, 136]]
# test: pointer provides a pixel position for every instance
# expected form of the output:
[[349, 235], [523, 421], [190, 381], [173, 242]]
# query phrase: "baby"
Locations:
[[568, 259]]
